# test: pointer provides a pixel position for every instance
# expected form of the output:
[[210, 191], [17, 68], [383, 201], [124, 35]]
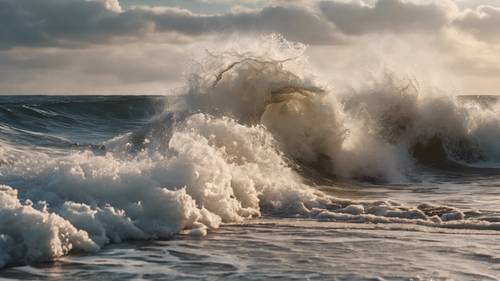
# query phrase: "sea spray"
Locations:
[[233, 146]]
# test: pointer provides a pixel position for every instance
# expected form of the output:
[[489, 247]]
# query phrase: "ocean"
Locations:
[[255, 173]]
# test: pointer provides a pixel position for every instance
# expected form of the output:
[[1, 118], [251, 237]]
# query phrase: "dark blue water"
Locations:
[[73, 121]]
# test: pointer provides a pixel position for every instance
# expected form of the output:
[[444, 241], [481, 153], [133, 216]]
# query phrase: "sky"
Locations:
[[147, 46]]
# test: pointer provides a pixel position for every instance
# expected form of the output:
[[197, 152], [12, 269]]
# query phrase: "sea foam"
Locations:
[[232, 147]]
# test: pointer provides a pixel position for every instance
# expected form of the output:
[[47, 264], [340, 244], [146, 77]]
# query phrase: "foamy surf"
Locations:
[[236, 144]]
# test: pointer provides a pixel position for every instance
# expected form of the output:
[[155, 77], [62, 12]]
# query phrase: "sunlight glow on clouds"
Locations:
[[109, 43]]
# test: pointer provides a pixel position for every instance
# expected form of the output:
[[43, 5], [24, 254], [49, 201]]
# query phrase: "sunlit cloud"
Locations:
[[114, 38]]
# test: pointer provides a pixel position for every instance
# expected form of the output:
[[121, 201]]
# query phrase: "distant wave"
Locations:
[[69, 121]]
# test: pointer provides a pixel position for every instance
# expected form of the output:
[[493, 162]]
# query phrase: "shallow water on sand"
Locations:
[[288, 249]]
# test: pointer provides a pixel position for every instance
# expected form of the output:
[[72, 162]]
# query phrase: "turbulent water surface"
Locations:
[[254, 171]]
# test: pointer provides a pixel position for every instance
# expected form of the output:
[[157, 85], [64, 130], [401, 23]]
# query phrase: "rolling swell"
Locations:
[[72, 121]]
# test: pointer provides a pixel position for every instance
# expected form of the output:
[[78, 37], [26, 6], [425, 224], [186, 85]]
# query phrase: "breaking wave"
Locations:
[[235, 144]]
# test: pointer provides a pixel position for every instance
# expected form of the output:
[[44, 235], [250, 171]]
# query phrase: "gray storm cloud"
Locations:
[[62, 23], [70, 23], [482, 22], [292, 22], [108, 44], [384, 16]]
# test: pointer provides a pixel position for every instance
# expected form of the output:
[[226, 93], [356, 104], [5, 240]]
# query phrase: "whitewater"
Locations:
[[254, 149]]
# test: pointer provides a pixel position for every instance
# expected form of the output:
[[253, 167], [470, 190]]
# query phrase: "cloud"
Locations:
[[63, 22], [116, 46], [80, 23], [112, 5], [292, 22], [69, 23], [395, 16], [483, 23], [472, 4]]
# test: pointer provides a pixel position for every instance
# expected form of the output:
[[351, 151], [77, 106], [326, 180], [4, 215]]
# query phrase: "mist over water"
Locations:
[[252, 134]]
